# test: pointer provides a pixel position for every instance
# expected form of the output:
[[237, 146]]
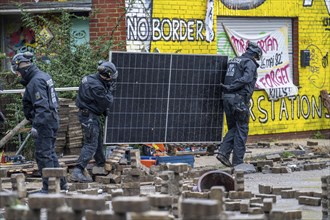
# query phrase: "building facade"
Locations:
[[294, 35]]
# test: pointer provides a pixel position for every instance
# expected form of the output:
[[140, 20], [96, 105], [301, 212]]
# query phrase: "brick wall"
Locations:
[[108, 21]]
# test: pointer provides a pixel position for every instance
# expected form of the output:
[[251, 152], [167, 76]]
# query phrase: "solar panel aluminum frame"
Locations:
[[166, 81]]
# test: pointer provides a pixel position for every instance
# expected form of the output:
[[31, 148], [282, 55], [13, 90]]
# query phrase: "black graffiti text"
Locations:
[[155, 29], [269, 62], [289, 108], [275, 93]]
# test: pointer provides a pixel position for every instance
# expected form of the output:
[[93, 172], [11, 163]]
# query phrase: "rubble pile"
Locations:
[[126, 190]]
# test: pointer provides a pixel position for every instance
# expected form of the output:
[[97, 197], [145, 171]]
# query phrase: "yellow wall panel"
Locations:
[[303, 112]]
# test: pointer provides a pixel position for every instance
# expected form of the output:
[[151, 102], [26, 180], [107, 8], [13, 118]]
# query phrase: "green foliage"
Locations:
[[287, 154], [318, 135], [67, 62]]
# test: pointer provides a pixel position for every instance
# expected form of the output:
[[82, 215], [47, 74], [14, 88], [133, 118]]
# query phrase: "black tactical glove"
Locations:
[[224, 87], [113, 86], [107, 112]]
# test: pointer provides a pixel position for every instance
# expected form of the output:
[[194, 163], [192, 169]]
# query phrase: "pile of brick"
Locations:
[[69, 137], [118, 194]]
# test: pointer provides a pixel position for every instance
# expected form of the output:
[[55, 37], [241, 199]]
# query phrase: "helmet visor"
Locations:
[[13, 68]]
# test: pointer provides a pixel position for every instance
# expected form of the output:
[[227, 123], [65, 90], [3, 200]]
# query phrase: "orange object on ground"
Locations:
[[148, 163]]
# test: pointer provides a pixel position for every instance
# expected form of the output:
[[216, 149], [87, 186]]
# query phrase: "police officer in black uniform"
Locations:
[[94, 99], [238, 88], [40, 106]]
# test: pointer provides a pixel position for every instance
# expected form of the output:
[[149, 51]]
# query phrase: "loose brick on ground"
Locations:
[[82, 202], [54, 172], [125, 204], [48, 201], [307, 200]]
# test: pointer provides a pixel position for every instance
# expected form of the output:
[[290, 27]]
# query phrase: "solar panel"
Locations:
[[166, 98]]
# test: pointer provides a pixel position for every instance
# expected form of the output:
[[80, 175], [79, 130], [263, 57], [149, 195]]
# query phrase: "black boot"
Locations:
[[78, 176]]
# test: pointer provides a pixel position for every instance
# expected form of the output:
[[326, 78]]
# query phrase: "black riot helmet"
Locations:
[[107, 70], [253, 47], [20, 58]]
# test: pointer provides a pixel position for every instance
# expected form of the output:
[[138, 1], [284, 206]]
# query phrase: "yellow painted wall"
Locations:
[[305, 112]]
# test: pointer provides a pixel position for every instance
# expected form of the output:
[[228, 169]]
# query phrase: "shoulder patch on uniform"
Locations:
[[50, 82], [84, 80], [37, 95]]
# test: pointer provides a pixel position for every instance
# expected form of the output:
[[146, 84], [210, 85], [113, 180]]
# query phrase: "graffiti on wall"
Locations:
[[318, 66], [309, 3], [242, 4], [290, 108], [142, 8], [20, 40], [165, 29]]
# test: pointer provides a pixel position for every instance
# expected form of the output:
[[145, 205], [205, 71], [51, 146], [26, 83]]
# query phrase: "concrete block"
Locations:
[[303, 193], [267, 205], [263, 196], [132, 185], [21, 213], [78, 186], [103, 179], [288, 194], [48, 201], [199, 208], [232, 205], [293, 214], [125, 204], [273, 157], [244, 206], [150, 215], [277, 190], [159, 200], [264, 189], [307, 200], [255, 211], [3, 172], [8, 199], [54, 185], [99, 171], [81, 202], [277, 215], [262, 163], [240, 195], [256, 200], [117, 192], [131, 191], [18, 184], [196, 195], [54, 172]]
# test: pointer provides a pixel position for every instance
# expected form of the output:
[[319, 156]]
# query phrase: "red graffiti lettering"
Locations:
[[268, 44], [275, 78], [239, 44]]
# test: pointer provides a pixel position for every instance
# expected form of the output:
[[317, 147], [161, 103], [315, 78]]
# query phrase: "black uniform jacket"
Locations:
[[94, 94], [40, 101], [241, 75]]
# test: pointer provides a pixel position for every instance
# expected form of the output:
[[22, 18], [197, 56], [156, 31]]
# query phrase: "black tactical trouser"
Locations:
[[45, 151], [237, 116], [93, 140]]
